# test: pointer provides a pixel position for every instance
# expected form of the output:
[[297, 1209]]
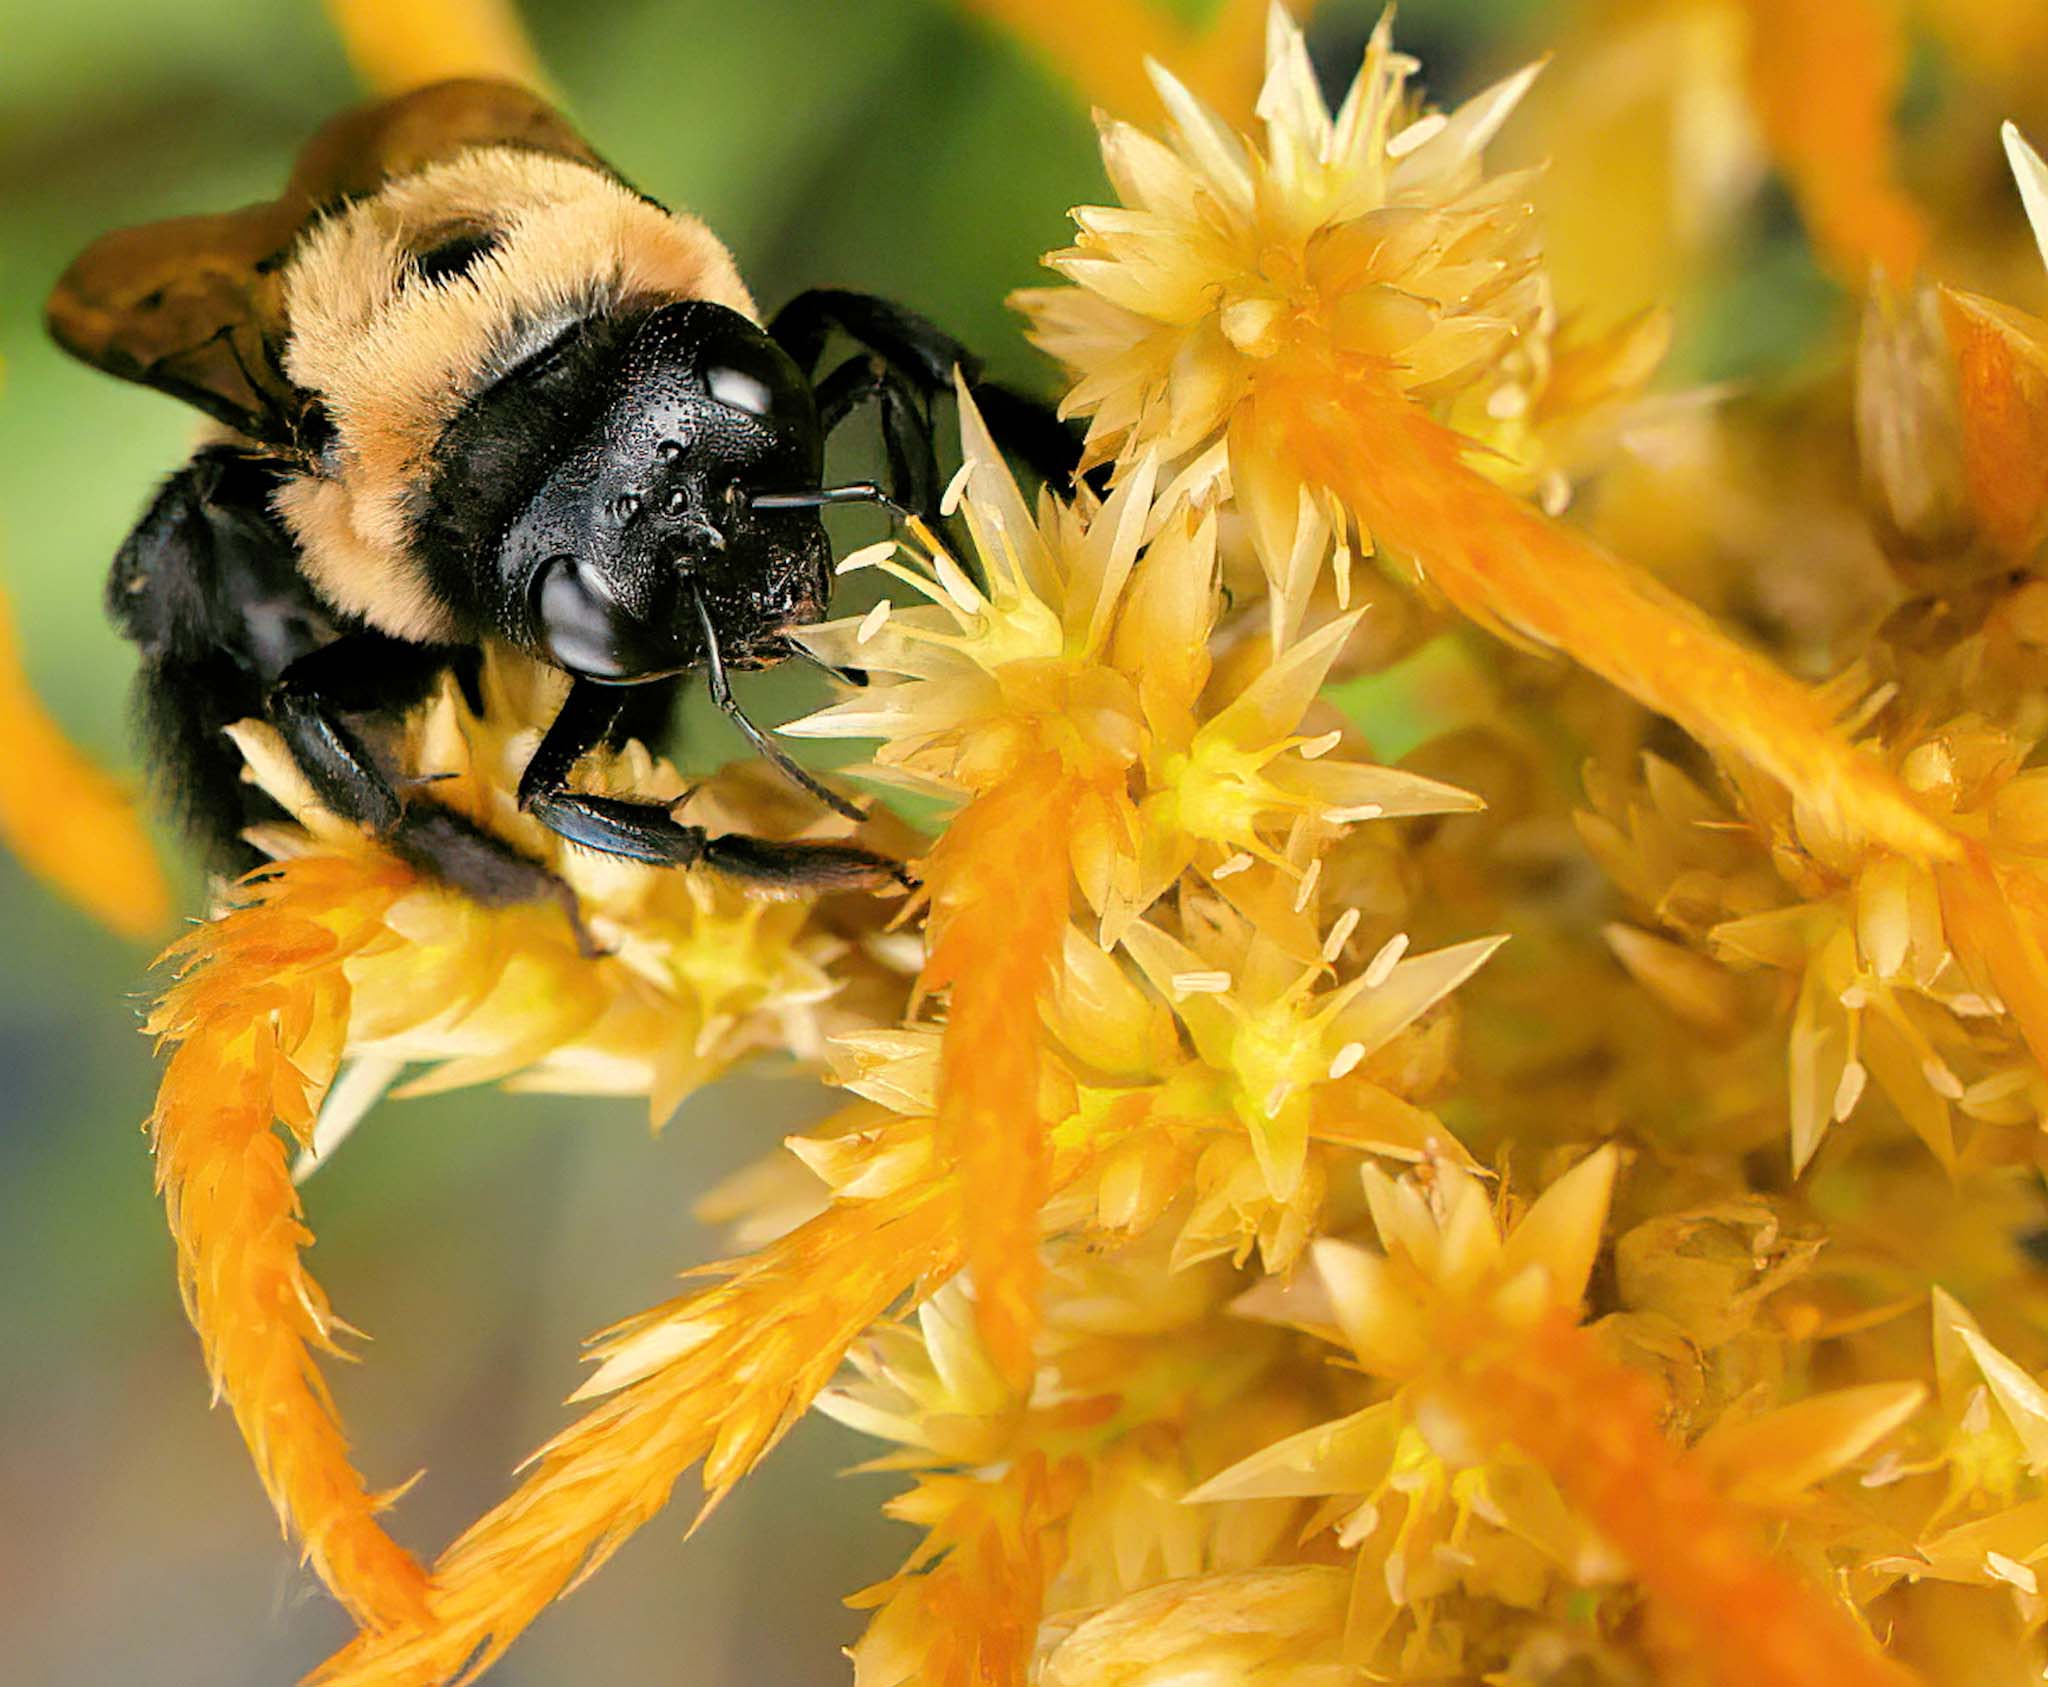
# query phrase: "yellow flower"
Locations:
[[1377, 225], [1428, 1514], [1888, 987], [1269, 1036]]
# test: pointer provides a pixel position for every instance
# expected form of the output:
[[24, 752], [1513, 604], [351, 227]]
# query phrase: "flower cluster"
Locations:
[[1256, 1272]]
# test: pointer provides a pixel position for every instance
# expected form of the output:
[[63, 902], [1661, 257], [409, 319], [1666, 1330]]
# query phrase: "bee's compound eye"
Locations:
[[581, 626], [746, 371]]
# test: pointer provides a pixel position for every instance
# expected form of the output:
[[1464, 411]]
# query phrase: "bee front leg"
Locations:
[[649, 832]]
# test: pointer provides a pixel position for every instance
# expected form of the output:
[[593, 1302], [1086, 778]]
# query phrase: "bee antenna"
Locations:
[[825, 497], [769, 750]]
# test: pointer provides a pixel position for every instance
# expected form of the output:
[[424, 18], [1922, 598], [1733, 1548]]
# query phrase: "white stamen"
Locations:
[[866, 557], [958, 587], [1307, 887], [2011, 1570], [871, 622], [1850, 1090], [1238, 863], [1855, 998], [1968, 1005], [1199, 984], [1347, 1059], [1508, 401], [956, 488], [1322, 746], [1418, 134], [1940, 1079], [1340, 934], [1362, 811], [1555, 493], [1276, 1098], [1381, 967]]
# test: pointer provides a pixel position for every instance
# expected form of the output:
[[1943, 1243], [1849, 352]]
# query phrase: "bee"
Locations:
[[468, 387]]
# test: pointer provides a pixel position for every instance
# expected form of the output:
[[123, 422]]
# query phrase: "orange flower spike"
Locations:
[[1593, 1426], [68, 822], [1509, 567], [719, 1376], [2002, 369], [1825, 75], [972, 1619], [998, 881], [400, 44], [256, 1016]]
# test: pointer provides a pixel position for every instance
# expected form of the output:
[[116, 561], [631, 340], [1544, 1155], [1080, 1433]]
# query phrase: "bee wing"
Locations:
[[185, 306], [194, 306], [359, 151]]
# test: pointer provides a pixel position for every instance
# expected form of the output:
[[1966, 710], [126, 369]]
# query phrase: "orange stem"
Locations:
[[998, 881], [1593, 1425], [1515, 571], [258, 1016]]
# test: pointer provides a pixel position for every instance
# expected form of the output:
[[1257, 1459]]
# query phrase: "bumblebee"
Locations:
[[469, 386]]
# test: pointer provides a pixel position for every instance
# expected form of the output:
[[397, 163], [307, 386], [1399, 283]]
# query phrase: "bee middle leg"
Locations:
[[370, 673]]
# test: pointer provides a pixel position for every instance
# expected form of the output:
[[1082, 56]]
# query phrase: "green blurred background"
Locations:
[[892, 145]]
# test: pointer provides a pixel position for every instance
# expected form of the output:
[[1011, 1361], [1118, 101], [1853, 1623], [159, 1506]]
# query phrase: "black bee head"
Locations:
[[628, 532]]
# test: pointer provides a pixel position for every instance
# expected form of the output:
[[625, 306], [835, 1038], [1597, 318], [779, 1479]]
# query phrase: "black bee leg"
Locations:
[[645, 831], [1026, 427], [907, 442], [369, 673]]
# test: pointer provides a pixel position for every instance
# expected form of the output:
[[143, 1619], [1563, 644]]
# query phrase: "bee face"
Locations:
[[619, 462]]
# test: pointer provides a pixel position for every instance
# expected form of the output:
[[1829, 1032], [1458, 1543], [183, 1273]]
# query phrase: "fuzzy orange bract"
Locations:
[[972, 1618], [2002, 367], [729, 1371], [1512, 569], [998, 883], [256, 1022], [1594, 1426]]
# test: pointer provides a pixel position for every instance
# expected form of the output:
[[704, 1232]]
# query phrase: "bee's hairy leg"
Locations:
[[367, 673]]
